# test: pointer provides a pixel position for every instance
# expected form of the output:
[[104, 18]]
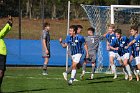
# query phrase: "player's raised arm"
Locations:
[[64, 45], [6, 28]]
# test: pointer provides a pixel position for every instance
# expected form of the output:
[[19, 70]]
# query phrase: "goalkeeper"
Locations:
[[3, 51], [92, 42]]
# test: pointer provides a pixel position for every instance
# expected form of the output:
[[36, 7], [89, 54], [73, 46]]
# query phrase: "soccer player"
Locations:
[[133, 69], [3, 52], [92, 42], [70, 68], [135, 44], [46, 47], [118, 46], [110, 35], [75, 43]]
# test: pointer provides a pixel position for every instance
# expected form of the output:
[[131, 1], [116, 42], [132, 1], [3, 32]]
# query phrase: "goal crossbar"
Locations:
[[120, 6]]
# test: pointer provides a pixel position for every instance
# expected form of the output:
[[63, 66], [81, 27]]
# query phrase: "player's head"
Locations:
[[134, 30], [111, 28], [79, 29], [118, 33], [91, 31], [73, 30], [46, 26]]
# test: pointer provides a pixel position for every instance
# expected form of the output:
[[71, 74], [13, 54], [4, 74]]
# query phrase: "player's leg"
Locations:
[[46, 60], [1, 77], [2, 68], [137, 59], [93, 59], [75, 61], [93, 70], [83, 70], [133, 69], [125, 62], [65, 74], [113, 67], [128, 68]]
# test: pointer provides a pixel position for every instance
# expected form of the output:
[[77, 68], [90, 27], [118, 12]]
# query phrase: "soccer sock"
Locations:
[[73, 72], [125, 71], [93, 69], [137, 71], [84, 68], [113, 67], [134, 71], [128, 70], [69, 70], [45, 67]]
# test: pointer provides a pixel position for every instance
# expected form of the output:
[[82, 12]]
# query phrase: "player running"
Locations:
[[110, 35], [75, 43], [118, 46], [70, 68], [135, 45], [92, 42]]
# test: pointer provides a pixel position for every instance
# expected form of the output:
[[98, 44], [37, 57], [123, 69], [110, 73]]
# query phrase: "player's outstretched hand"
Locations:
[[10, 20], [60, 39]]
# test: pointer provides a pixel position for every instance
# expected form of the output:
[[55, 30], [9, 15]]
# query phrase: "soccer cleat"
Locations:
[[115, 76], [70, 82], [126, 76], [75, 80], [65, 75], [44, 73], [92, 75]]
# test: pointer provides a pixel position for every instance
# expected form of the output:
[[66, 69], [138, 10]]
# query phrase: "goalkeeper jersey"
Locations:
[[3, 33]]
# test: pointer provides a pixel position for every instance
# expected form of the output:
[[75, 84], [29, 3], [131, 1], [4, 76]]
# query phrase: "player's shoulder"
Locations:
[[124, 37], [80, 36]]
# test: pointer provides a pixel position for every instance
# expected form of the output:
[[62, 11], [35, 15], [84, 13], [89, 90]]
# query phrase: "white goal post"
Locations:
[[121, 6]]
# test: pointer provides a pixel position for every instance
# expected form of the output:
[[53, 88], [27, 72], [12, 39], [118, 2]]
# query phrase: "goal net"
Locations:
[[99, 17], [123, 16]]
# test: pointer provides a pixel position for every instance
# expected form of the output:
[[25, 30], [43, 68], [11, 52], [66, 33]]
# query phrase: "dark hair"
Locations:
[[134, 28], [91, 29], [75, 28], [46, 24], [79, 26], [118, 31]]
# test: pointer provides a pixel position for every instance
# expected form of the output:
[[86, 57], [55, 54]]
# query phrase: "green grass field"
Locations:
[[30, 80]]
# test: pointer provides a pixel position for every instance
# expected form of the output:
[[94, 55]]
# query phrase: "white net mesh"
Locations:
[[99, 17], [126, 17]]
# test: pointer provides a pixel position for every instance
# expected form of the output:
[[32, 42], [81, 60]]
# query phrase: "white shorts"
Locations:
[[125, 56], [115, 55], [76, 58], [137, 60]]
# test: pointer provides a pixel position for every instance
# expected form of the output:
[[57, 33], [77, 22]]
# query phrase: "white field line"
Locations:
[[31, 77]]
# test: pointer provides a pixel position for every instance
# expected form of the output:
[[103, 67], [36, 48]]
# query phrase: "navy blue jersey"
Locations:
[[114, 43], [131, 38], [75, 44], [136, 46], [110, 37], [123, 42]]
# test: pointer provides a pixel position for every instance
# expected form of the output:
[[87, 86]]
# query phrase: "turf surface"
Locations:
[[30, 80]]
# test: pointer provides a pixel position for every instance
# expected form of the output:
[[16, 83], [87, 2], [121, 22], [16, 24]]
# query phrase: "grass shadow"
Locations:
[[21, 91], [100, 82], [98, 78]]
